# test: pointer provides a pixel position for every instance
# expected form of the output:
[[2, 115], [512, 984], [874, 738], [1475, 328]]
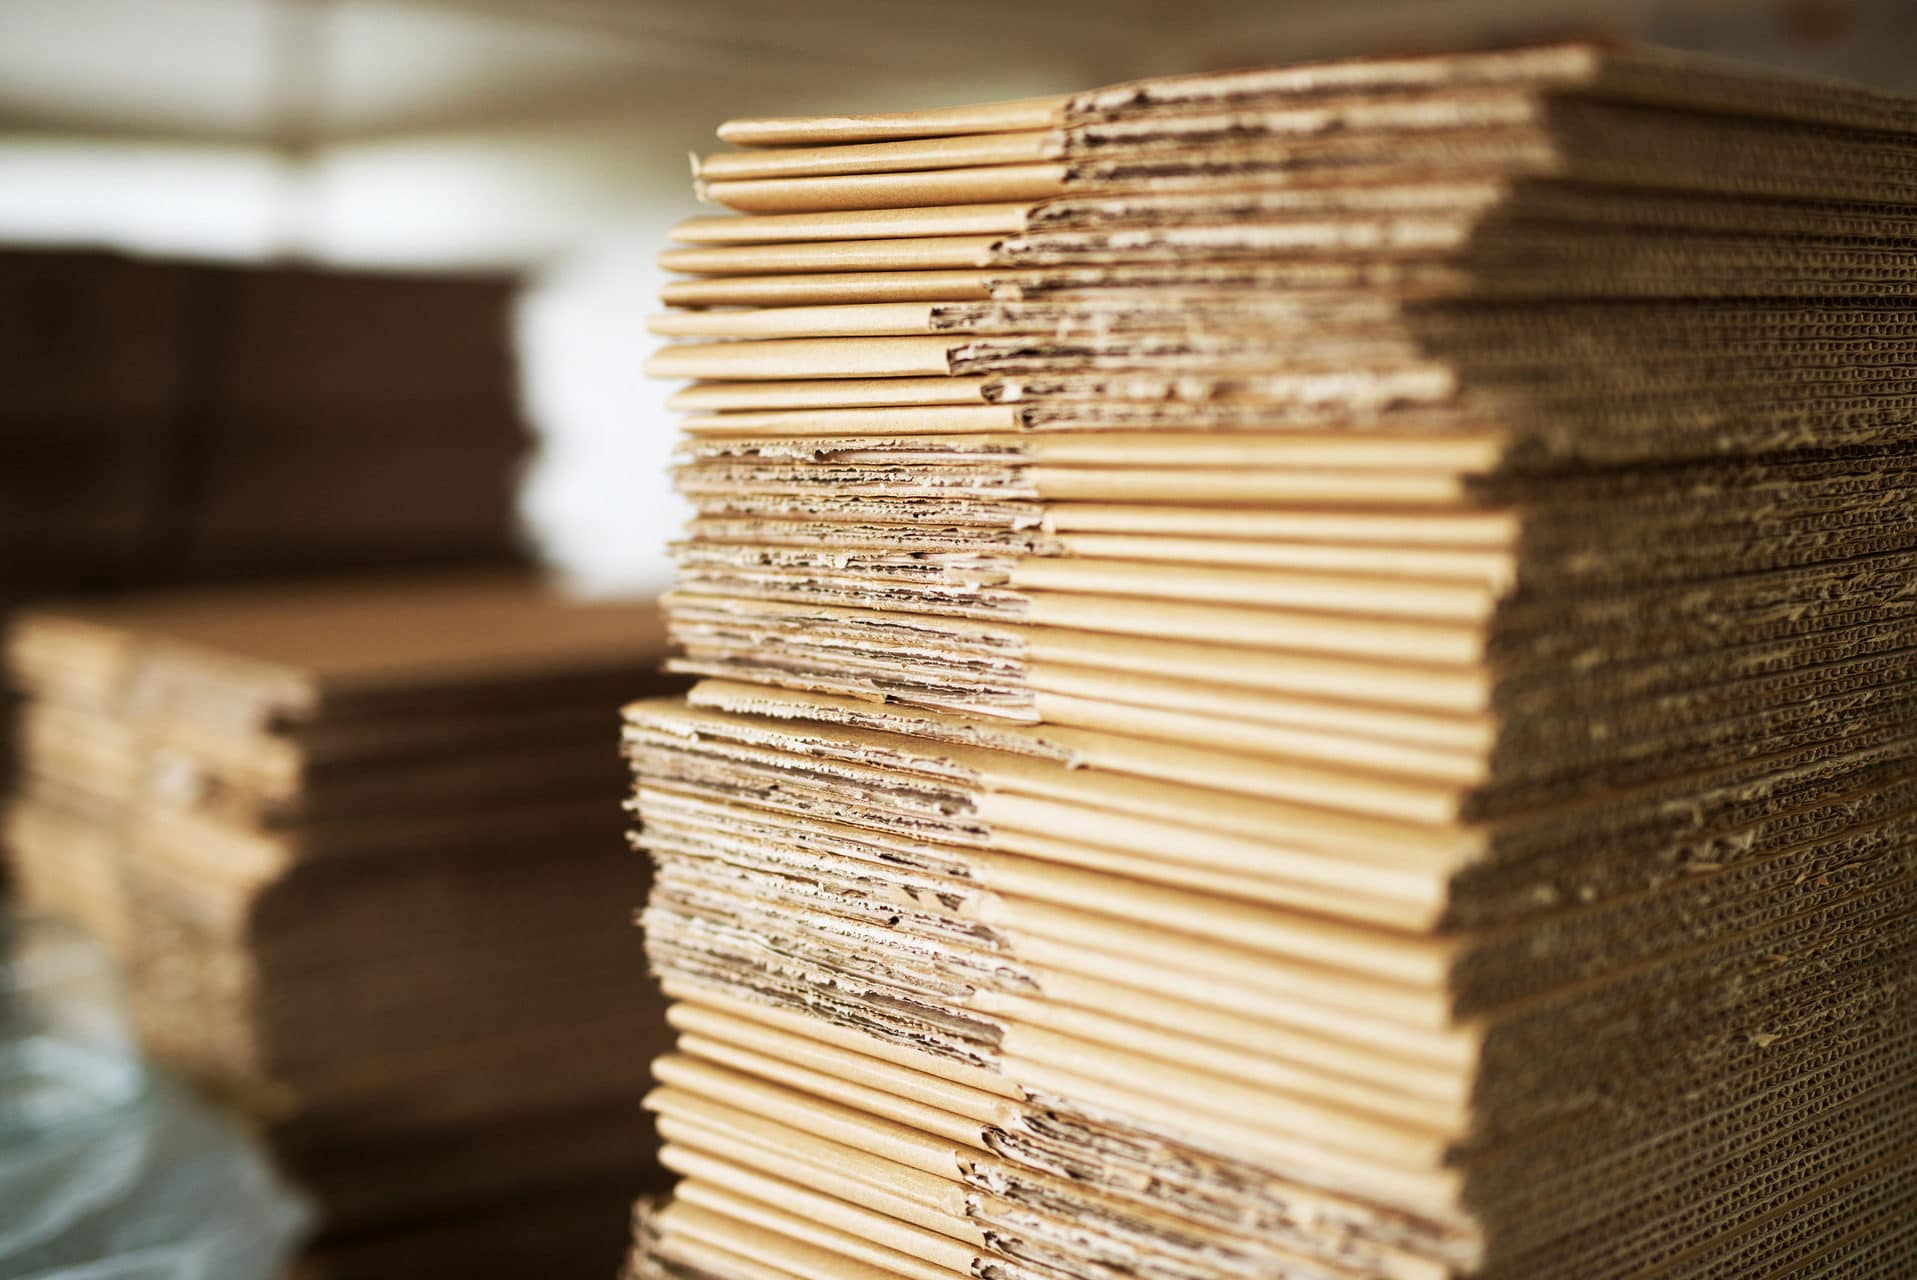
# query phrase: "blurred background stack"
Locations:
[[306, 292], [351, 847], [173, 423]]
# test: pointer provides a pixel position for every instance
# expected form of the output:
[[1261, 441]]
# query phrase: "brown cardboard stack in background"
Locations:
[[177, 424], [174, 423], [351, 846], [1306, 674]]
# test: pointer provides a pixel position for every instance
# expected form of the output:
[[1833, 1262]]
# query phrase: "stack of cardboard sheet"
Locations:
[[1308, 675], [355, 848], [172, 422]]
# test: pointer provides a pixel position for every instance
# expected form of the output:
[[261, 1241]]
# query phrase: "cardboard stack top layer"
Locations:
[[1306, 673], [352, 846]]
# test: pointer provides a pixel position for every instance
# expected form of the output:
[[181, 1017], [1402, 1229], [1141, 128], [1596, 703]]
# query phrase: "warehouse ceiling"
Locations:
[[298, 71]]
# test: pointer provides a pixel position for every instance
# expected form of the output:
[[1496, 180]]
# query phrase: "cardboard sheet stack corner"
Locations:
[[353, 844], [1306, 673]]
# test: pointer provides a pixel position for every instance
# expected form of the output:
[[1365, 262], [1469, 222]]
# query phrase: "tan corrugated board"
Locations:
[[996, 184], [959, 151], [926, 253], [809, 289], [934, 122], [874, 224]]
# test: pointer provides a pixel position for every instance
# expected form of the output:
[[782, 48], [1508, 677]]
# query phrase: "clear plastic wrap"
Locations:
[[108, 1171]]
